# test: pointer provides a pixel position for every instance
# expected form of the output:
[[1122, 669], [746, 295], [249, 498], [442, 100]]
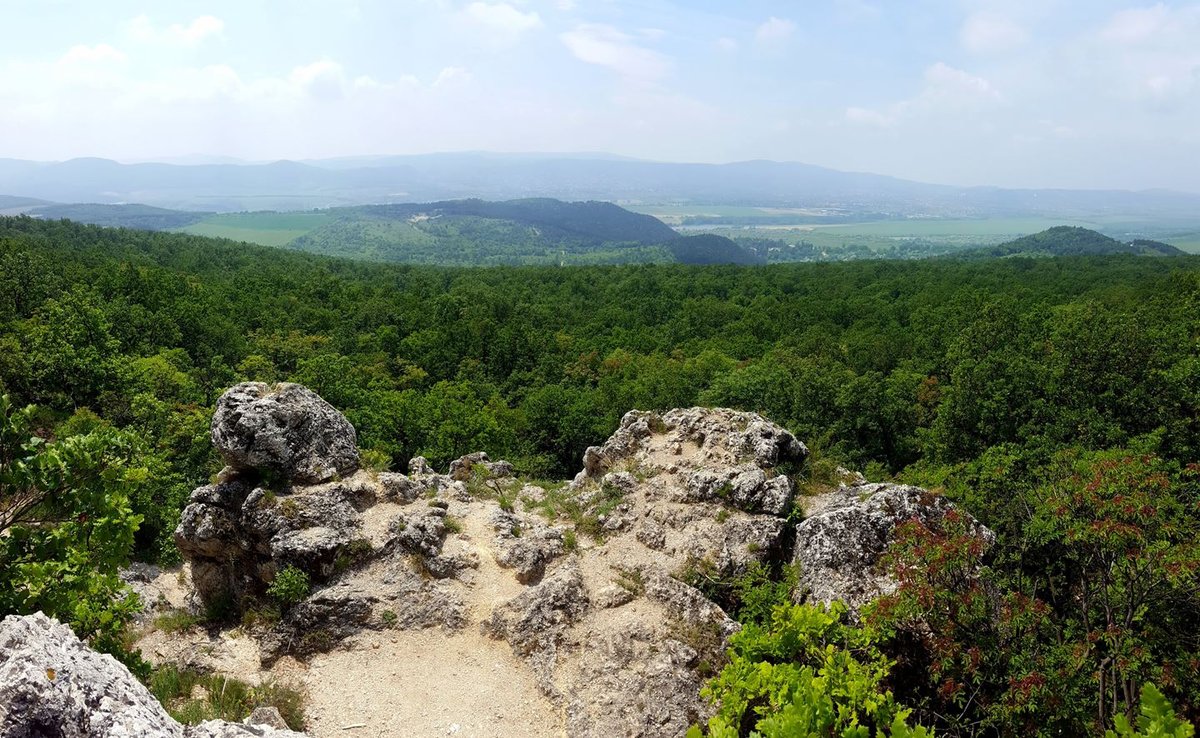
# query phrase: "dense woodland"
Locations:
[[1056, 399]]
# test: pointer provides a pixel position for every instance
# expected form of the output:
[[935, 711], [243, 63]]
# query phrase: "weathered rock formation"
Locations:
[[51, 684], [846, 531], [286, 429], [587, 584]]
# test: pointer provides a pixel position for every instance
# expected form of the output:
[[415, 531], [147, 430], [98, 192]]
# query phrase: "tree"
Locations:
[[66, 525], [1118, 538]]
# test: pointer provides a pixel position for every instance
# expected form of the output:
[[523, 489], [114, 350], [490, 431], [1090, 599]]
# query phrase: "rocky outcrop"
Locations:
[[847, 531], [615, 637], [51, 684], [237, 535], [586, 584], [465, 467], [286, 429]]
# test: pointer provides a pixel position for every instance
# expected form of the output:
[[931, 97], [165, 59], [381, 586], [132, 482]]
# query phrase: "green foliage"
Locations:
[[805, 673], [66, 526], [289, 586], [1075, 241], [1157, 719], [1092, 591], [174, 621], [375, 460], [191, 697], [476, 232]]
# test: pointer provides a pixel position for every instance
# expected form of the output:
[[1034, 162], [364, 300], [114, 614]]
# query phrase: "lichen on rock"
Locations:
[[51, 684]]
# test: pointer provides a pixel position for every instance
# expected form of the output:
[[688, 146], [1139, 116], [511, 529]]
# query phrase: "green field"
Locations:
[[271, 228], [267, 228], [886, 234]]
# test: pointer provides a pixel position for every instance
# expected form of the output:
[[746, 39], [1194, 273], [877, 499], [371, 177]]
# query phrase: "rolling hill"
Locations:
[[708, 248], [1075, 241], [473, 232]]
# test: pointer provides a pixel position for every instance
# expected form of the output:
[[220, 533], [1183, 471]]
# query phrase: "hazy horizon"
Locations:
[[1097, 95]]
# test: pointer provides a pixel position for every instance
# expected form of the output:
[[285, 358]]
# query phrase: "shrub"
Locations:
[[806, 673], [374, 460], [1157, 719], [289, 586]]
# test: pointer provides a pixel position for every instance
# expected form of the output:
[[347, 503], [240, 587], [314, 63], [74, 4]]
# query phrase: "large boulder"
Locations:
[[847, 531], [51, 684], [285, 429], [237, 536]]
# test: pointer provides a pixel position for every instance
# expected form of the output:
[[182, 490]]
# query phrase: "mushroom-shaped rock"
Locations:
[[839, 544], [286, 429], [51, 684]]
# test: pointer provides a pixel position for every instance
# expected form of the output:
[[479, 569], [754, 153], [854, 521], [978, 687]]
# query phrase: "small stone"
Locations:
[[268, 716]]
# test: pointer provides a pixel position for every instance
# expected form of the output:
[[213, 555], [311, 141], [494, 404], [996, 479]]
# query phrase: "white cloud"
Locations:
[[502, 18], [945, 91], [1148, 56], [607, 47], [142, 29], [986, 33], [774, 30], [1135, 24], [98, 54], [868, 117], [450, 75], [725, 43], [945, 84], [323, 80]]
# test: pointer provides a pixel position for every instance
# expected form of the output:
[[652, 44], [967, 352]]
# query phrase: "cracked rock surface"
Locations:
[[51, 684]]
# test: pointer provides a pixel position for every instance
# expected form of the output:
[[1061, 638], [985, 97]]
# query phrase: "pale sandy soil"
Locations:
[[434, 682], [414, 684]]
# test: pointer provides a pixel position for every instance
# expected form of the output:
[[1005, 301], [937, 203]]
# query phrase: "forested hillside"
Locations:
[[1058, 400], [1075, 241], [481, 233]]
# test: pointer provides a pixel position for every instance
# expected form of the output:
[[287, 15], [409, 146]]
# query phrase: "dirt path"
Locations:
[[425, 683], [433, 682]]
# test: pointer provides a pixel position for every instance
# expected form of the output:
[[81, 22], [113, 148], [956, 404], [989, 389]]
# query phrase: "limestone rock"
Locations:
[[839, 544], [745, 487], [525, 544], [655, 698], [418, 466], [236, 538], [538, 618], [51, 684], [463, 467], [597, 611], [268, 716], [286, 429]]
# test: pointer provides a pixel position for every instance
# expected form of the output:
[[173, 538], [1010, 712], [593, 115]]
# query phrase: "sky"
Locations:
[[1020, 93]]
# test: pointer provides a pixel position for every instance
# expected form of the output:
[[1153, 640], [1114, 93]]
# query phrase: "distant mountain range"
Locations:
[[291, 185]]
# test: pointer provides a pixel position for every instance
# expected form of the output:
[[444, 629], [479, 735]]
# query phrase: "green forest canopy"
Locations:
[[1011, 384]]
